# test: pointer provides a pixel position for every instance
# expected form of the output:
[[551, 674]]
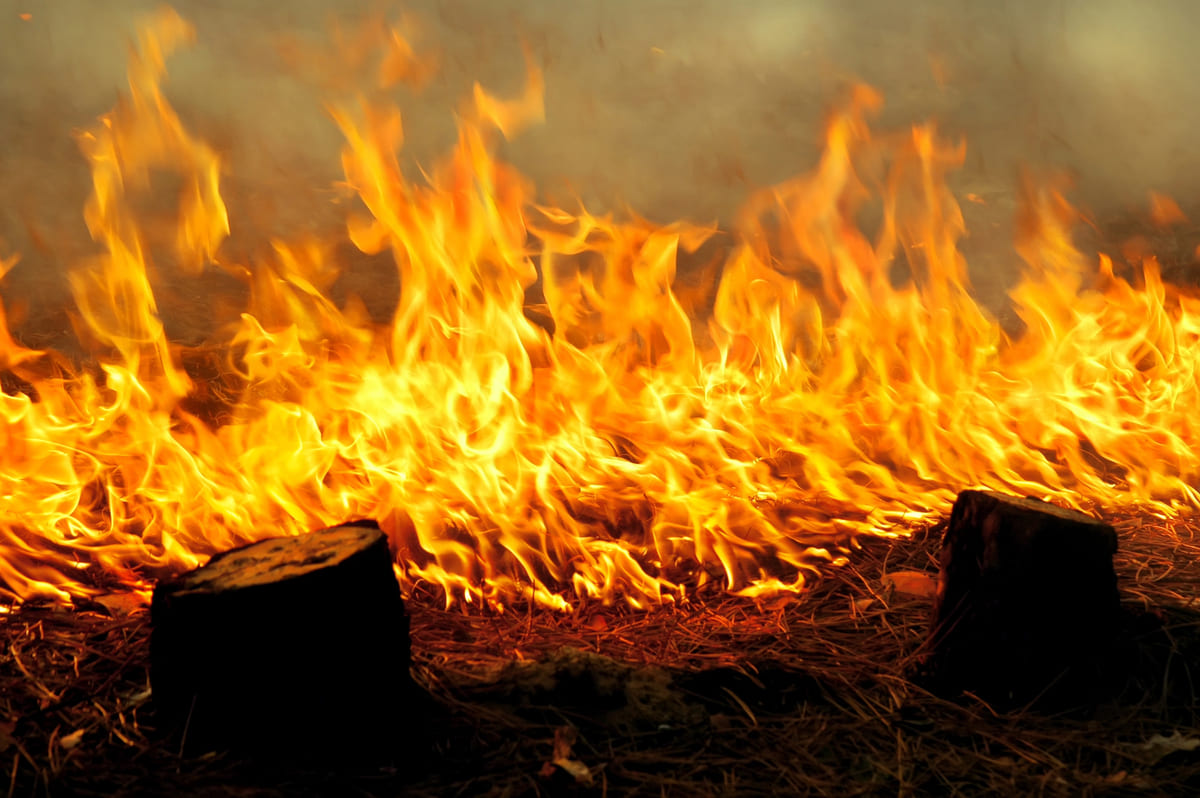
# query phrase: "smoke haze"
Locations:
[[676, 107]]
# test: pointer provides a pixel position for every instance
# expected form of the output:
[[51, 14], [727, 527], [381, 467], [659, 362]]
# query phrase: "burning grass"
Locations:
[[721, 695], [834, 380]]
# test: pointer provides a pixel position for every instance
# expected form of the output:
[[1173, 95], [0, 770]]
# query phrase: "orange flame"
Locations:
[[612, 443]]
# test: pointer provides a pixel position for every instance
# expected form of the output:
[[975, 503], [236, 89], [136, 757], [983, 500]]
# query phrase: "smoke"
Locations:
[[676, 107]]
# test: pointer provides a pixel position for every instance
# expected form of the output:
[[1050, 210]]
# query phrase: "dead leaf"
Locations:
[[72, 740], [6, 735], [720, 722], [577, 770], [564, 740], [123, 604], [1158, 746], [911, 583]]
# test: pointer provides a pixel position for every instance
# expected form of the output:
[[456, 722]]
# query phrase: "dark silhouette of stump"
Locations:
[[291, 646], [1027, 602]]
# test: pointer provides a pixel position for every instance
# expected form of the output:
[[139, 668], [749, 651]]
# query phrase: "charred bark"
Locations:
[[292, 646], [1027, 601]]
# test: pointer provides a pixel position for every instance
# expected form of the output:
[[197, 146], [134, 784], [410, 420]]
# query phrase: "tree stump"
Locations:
[[1026, 602], [293, 646]]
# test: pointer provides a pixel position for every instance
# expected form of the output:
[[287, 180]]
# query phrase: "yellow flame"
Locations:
[[622, 440]]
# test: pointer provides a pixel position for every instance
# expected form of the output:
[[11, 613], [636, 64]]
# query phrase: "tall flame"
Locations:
[[621, 441]]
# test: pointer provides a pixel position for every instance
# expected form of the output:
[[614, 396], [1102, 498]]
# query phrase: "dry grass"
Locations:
[[723, 696]]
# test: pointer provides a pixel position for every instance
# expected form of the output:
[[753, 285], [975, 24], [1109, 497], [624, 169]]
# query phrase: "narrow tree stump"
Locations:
[[1026, 601], [286, 646]]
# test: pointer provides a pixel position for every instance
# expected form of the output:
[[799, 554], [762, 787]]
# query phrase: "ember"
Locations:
[[622, 440]]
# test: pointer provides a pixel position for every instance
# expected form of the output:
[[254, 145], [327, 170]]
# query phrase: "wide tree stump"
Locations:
[[293, 645], [1026, 600]]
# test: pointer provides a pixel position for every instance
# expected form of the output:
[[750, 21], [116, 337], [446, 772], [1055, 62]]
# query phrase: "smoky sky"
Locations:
[[676, 107]]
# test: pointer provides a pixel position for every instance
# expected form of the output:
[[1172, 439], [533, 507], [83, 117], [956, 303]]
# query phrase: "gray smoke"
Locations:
[[676, 107]]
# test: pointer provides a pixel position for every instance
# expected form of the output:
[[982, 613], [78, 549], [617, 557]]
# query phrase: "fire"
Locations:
[[624, 440]]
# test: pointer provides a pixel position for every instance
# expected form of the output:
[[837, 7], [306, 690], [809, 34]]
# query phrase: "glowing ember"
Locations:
[[643, 447]]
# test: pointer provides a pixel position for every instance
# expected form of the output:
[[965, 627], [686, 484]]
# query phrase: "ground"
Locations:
[[816, 695]]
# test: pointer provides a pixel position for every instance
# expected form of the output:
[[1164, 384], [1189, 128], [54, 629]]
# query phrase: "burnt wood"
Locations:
[[1026, 603], [294, 646]]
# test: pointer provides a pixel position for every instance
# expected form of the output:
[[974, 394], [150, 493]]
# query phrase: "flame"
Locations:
[[627, 439]]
